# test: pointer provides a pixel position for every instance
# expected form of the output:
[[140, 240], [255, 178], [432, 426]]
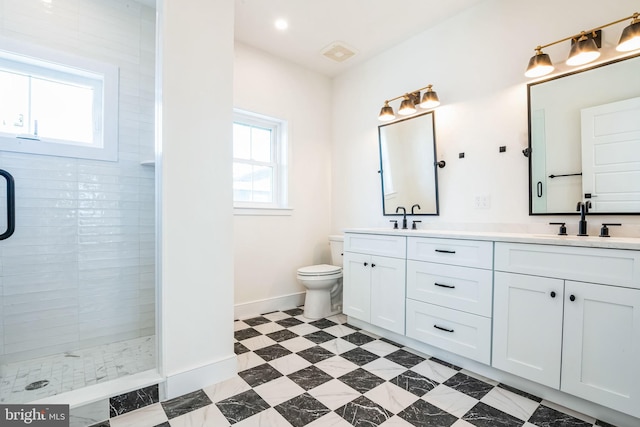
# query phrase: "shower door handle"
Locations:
[[11, 205]]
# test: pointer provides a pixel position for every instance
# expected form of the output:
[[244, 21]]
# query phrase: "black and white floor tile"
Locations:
[[293, 371]]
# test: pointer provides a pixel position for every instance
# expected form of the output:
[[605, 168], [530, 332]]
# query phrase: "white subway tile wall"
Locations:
[[79, 270]]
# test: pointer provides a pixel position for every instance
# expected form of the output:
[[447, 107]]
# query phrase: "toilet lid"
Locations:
[[319, 270]]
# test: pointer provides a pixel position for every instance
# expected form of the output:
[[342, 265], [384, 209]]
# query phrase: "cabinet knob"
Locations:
[[366, 263], [373, 265], [553, 294], [572, 297]]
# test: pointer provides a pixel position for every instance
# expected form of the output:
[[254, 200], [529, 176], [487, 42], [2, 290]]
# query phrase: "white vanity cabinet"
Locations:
[[569, 318], [374, 279], [449, 295]]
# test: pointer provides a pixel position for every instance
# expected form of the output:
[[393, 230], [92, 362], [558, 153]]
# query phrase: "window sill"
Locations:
[[263, 211], [49, 147]]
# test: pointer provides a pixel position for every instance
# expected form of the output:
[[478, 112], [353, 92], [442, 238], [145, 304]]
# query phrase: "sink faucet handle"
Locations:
[[604, 231], [395, 223], [563, 229], [413, 226]]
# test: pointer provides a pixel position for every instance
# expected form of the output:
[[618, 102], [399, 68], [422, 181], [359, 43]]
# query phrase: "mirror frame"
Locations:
[[434, 165], [530, 156]]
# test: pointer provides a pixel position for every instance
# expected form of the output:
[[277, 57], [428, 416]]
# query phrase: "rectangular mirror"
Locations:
[[584, 140], [407, 165]]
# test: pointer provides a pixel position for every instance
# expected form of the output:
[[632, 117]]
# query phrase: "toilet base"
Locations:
[[317, 304]]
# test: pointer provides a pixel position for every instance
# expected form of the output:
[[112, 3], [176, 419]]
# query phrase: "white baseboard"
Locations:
[[192, 380], [255, 308]]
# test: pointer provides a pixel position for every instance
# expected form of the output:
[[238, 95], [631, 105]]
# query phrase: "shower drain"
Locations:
[[37, 384]]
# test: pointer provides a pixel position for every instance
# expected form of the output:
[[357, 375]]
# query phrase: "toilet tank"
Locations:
[[336, 243]]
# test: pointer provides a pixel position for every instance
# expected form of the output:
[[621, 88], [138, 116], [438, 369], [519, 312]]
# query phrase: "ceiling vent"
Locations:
[[338, 52]]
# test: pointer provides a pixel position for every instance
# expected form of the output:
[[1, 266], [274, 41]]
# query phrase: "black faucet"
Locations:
[[415, 206], [404, 217], [583, 208]]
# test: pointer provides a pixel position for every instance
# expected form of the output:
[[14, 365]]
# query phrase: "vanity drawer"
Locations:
[[617, 267], [460, 288], [376, 244], [467, 253], [462, 333]]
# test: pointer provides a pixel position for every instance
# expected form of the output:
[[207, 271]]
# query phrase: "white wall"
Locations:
[[196, 72], [476, 62], [269, 249], [79, 270]]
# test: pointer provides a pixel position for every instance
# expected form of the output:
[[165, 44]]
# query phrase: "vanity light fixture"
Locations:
[[408, 105], [630, 38], [584, 50], [584, 47], [386, 113], [429, 99]]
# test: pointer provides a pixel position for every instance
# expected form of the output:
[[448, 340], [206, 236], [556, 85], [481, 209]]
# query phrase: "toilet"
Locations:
[[324, 284]]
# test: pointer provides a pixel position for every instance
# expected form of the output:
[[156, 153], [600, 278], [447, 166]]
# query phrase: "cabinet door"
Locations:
[[388, 293], [527, 326], [601, 349], [356, 286]]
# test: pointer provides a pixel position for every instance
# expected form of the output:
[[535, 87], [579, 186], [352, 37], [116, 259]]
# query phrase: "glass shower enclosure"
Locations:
[[77, 248]]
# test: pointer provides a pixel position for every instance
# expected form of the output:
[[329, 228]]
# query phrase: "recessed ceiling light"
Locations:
[[281, 24]]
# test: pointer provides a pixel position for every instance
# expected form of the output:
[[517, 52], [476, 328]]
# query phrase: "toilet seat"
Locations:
[[321, 270]]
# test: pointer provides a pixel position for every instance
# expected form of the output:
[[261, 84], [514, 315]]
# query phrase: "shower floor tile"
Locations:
[[76, 369]]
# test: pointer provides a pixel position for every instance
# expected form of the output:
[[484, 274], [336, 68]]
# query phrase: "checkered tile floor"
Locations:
[[298, 372]]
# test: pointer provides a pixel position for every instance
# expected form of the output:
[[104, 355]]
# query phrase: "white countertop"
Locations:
[[631, 243]]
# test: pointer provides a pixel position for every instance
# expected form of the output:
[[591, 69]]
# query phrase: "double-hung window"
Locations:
[[56, 104], [259, 162]]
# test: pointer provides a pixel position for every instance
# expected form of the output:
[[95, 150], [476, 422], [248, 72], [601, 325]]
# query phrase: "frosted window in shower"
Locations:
[[54, 104]]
